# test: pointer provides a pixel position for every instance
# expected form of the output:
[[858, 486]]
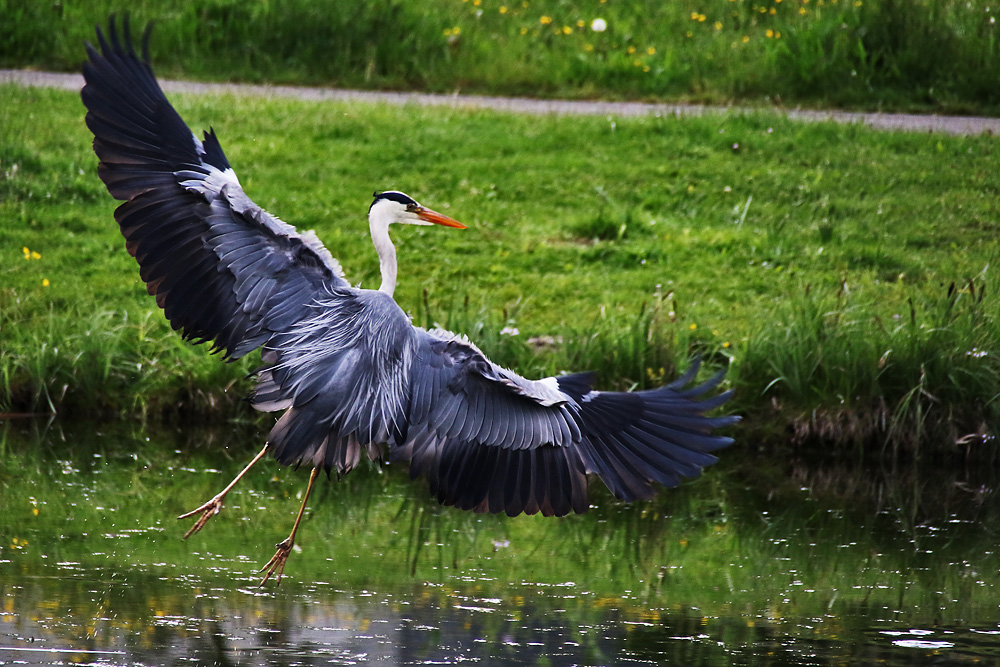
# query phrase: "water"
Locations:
[[759, 562]]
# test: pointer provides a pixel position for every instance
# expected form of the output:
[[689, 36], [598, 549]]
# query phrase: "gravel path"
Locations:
[[903, 122]]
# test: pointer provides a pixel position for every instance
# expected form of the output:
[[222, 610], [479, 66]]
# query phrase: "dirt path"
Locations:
[[902, 122]]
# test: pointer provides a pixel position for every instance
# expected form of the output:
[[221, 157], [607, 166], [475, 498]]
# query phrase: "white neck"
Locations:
[[379, 227]]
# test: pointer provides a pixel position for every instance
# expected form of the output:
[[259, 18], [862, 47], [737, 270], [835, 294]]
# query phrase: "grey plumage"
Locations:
[[352, 374]]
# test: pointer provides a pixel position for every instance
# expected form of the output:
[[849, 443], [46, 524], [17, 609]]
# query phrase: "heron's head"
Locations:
[[395, 207]]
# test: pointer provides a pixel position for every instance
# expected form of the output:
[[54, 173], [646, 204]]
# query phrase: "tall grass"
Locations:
[[829, 368], [855, 373], [634, 350], [109, 363], [929, 54]]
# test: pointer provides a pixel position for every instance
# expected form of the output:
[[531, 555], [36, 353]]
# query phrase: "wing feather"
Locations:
[[506, 444], [221, 267]]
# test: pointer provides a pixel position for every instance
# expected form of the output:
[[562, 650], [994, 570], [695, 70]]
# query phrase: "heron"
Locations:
[[350, 373]]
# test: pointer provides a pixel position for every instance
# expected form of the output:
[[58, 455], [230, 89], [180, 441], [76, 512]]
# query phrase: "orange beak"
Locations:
[[427, 215]]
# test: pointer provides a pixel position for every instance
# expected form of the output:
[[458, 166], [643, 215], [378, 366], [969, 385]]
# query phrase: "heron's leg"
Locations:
[[277, 561], [214, 506]]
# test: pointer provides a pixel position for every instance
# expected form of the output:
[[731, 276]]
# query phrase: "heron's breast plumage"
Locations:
[[342, 375]]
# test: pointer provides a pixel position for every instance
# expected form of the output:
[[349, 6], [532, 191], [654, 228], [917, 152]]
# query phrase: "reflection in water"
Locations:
[[792, 565], [422, 625]]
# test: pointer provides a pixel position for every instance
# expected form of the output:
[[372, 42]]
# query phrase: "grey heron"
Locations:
[[352, 375]]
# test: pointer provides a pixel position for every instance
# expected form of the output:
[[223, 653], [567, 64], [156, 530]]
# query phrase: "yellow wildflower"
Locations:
[[45, 283], [718, 25], [545, 20], [693, 327], [651, 50], [503, 9], [566, 30]]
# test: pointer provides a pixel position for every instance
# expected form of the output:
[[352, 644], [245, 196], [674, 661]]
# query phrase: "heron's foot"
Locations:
[[277, 561], [208, 510]]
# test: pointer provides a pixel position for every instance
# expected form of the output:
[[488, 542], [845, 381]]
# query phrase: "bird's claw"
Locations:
[[277, 562], [208, 510]]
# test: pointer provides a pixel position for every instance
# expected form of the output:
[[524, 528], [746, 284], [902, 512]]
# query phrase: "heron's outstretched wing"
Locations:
[[489, 440], [220, 266]]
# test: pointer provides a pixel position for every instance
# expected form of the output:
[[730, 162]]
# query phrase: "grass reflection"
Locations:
[[754, 557]]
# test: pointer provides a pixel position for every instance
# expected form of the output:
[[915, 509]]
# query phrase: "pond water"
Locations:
[[764, 560]]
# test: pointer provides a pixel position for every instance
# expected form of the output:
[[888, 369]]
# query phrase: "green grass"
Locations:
[[895, 54], [907, 378], [819, 258]]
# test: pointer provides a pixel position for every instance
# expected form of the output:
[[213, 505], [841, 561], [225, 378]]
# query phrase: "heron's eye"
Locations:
[[412, 208]]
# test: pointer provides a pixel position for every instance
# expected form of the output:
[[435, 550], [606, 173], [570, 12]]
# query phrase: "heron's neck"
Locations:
[[386, 255]]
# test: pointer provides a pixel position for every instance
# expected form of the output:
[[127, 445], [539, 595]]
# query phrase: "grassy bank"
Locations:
[[895, 54], [845, 273]]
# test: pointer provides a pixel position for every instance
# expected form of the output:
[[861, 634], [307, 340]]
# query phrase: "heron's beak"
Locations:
[[427, 215]]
